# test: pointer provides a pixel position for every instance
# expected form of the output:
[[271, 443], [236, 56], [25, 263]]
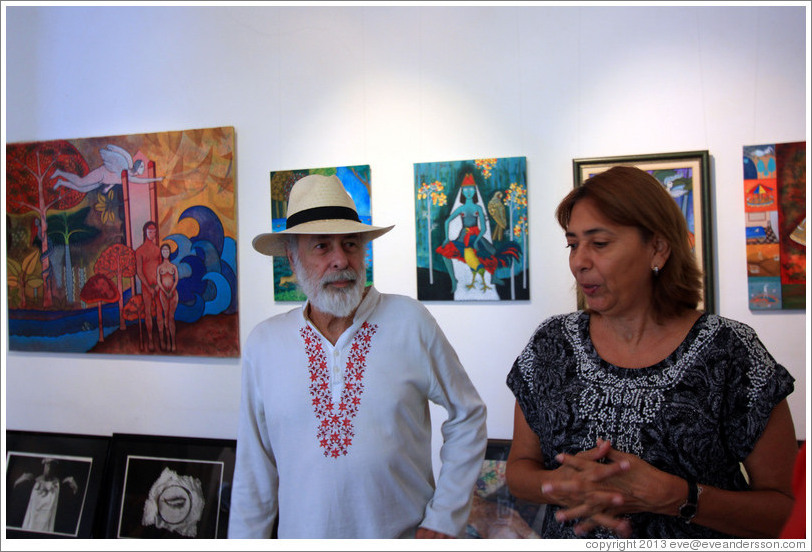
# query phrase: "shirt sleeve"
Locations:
[[757, 383], [464, 437], [523, 379], [254, 503]]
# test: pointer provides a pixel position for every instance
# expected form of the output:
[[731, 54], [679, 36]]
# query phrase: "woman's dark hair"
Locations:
[[632, 197]]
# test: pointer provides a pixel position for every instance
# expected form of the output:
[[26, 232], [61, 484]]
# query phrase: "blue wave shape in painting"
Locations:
[[229, 255], [193, 284], [184, 250], [231, 275], [222, 297], [210, 227], [206, 266], [192, 311], [211, 257]]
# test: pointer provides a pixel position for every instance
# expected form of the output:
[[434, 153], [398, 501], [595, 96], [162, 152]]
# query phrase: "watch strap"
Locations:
[[688, 509]]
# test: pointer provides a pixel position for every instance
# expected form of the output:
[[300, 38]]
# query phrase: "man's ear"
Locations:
[[289, 252]]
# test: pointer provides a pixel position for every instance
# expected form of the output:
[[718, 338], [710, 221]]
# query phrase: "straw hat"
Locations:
[[317, 205]]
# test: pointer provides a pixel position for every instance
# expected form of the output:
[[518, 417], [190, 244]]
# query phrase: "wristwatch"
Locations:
[[688, 510]]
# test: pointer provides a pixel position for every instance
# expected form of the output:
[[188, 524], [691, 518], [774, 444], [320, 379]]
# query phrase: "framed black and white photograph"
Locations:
[[169, 487], [497, 514], [53, 483], [686, 176]]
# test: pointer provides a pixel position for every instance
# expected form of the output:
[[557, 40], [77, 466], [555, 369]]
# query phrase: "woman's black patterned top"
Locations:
[[697, 413]]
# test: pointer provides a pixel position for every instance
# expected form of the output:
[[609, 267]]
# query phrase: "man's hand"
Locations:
[[423, 533]]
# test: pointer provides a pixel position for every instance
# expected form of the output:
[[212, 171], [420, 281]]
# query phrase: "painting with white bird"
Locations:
[[124, 244]]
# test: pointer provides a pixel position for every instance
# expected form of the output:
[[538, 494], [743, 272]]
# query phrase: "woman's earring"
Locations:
[[655, 270]]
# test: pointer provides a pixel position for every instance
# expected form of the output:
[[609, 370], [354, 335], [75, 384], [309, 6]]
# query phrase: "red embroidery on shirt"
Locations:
[[335, 428]]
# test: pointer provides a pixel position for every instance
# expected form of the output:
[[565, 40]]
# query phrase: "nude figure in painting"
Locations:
[[168, 294], [147, 259]]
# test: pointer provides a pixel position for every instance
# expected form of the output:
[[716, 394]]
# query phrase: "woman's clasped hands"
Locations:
[[597, 487]]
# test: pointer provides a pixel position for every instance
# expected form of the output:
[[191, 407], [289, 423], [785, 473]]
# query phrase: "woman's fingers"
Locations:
[[594, 503], [595, 471], [619, 526]]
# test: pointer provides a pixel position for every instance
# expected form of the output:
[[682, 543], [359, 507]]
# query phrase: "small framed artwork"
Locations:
[[169, 487], [53, 483], [686, 176], [497, 514]]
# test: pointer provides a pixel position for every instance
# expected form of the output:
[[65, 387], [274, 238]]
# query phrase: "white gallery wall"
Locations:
[[391, 86]]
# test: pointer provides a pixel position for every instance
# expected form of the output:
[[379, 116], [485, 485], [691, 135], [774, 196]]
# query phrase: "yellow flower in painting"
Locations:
[[520, 227], [516, 194], [421, 192], [438, 198], [486, 165], [433, 190], [107, 206]]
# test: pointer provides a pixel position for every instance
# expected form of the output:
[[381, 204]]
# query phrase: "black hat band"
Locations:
[[321, 213]]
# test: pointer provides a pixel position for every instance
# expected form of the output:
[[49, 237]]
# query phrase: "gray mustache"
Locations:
[[346, 274]]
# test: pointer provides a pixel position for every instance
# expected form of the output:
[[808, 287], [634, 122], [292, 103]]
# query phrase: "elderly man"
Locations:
[[335, 433]]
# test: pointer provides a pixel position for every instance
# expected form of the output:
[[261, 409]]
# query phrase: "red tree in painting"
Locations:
[[134, 310], [99, 289], [29, 187], [117, 262]]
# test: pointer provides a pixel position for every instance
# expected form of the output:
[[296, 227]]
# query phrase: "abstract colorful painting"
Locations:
[[123, 244], [356, 180], [775, 211], [472, 230]]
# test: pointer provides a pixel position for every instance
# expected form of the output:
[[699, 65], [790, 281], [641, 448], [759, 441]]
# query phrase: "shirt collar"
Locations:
[[362, 313]]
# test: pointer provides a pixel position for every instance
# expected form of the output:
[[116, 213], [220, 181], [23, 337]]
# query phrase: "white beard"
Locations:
[[339, 302]]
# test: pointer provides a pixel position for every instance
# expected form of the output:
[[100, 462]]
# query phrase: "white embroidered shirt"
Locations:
[[337, 439]]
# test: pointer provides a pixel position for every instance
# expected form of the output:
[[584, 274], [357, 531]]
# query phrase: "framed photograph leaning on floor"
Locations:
[[686, 176], [53, 483], [169, 487]]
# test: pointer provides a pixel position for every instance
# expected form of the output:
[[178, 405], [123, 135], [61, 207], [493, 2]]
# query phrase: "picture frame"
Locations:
[[495, 513], [169, 487], [91, 221], [472, 230], [686, 174], [775, 225], [66, 470]]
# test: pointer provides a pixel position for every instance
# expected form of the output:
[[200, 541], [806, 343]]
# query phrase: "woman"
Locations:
[[167, 278], [472, 245], [632, 417]]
